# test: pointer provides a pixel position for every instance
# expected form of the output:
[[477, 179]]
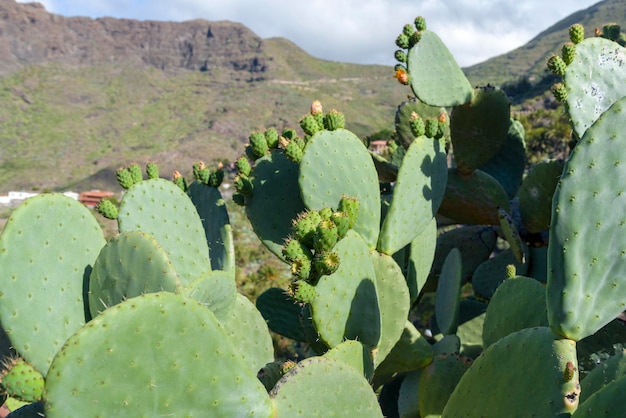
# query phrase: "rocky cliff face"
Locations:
[[30, 35]]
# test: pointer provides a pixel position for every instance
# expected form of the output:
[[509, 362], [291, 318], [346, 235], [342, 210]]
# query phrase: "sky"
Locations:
[[356, 31]]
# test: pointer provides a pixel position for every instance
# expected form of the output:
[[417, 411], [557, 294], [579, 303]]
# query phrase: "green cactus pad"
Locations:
[[20, 380], [136, 353], [460, 202], [248, 333], [508, 165], [212, 210], [586, 258], [535, 360], [449, 293], [594, 81], [419, 190], [438, 380], [435, 77], [421, 255], [449, 344], [304, 391], [518, 303], [480, 128], [470, 331], [275, 186], [411, 352], [408, 406], [346, 306], [393, 303], [216, 290], [403, 117], [535, 195], [281, 312], [606, 402], [603, 374], [354, 354], [512, 236], [490, 274], [336, 164], [47, 249], [161, 209], [130, 264]]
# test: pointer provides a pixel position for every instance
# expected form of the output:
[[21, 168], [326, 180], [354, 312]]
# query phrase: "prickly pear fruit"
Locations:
[[400, 55], [350, 206], [216, 177], [294, 151], [326, 263], [326, 236], [179, 180], [416, 123], [402, 41], [302, 291], [107, 209], [576, 33], [243, 185], [431, 128], [294, 250], [258, 144], [334, 120], [420, 23], [305, 227], [557, 65], [310, 125], [124, 177], [340, 219], [243, 166], [559, 91], [272, 137], [152, 170], [135, 171], [568, 52], [21, 380]]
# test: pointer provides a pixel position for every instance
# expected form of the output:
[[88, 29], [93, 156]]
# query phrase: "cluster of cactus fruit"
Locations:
[[526, 270]]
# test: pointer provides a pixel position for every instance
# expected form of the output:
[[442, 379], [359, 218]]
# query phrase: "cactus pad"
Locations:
[[336, 164], [435, 77], [449, 293], [535, 360], [535, 195], [586, 258], [215, 290], [136, 352], [47, 249], [419, 190]]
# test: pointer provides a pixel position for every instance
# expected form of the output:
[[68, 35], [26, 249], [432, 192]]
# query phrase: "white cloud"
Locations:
[[355, 31]]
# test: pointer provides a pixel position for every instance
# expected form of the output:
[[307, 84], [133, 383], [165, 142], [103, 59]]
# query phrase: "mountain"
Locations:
[[530, 59], [80, 97]]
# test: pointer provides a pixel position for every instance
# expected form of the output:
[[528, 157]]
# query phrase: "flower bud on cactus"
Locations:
[[135, 171], [243, 185], [309, 125], [258, 143], [201, 172], [294, 151], [305, 225], [334, 120], [343, 223], [402, 41], [179, 180], [420, 23], [431, 128], [416, 123], [124, 177], [326, 263], [556, 65], [271, 136], [326, 236], [21, 380], [576, 33], [152, 169], [316, 107], [560, 92], [243, 166], [302, 291], [107, 209], [400, 55], [402, 76], [568, 52], [350, 206]]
